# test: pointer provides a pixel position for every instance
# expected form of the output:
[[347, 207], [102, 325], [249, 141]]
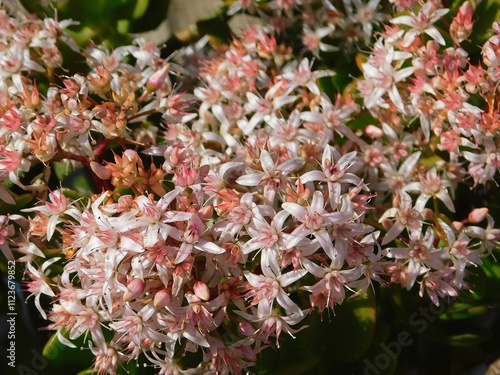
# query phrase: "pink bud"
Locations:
[[157, 80], [478, 214], [201, 291], [373, 132], [246, 328], [162, 299], [134, 289], [457, 226]]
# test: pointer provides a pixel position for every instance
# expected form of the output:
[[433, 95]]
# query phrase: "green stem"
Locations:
[[140, 114], [375, 224]]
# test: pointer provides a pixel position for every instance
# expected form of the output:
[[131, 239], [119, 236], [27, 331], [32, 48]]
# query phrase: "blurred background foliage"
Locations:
[[460, 337]]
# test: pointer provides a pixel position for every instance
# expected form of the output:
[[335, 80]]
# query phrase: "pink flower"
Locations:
[[270, 286], [419, 257], [303, 76], [335, 172], [39, 283], [264, 107], [6, 231], [55, 208], [272, 323], [383, 78], [315, 220], [330, 289], [272, 177], [405, 217], [438, 285], [431, 186], [422, 23], [192, 239], [266, 235]]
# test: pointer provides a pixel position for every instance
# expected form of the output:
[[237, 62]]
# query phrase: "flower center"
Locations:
[[313, 221]]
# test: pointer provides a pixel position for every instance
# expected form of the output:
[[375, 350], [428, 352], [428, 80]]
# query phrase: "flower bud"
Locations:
[[246, 328], [477, 215], [427, 214], [373, 132], [201, 291], [162, 299], [134, 289], [457, 226], [157, 80]]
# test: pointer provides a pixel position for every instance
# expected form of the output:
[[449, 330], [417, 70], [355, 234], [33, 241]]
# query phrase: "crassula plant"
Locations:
[[192, 212]]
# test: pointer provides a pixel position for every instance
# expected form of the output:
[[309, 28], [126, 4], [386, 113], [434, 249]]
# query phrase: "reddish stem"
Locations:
[[140, 114], [69, 155], [102, 146]]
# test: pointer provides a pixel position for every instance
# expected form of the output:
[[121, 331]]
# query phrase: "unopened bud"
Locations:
[[157, 80], [457, 226], [201, 291], [477, 215], [373, 132], [134, 289], [162, 299], [246, 328], [427, 214]]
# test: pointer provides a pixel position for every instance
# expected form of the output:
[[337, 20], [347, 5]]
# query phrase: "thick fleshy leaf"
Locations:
[[62, 357], [353, 327]]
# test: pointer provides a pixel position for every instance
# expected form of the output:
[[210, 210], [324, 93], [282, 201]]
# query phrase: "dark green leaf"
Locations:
[[460, 335], [62, 169], [461, 310], [22, 201], [61, 356]]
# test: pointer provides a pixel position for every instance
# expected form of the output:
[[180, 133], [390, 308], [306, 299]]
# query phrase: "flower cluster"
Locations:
[[325, 26], [226, 212]]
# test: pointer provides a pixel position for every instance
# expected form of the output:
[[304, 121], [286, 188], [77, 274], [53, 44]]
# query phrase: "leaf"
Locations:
[[477, 281], [62, 169], [353, 327], [148, 15], [491, 269], [217, 27], [22, 201], [431, 161], [287, 360], [185, 13], [460, 311], [487, 12], [361, 121], [61, 356], [79, 181], [336, 339], [460, 335]]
